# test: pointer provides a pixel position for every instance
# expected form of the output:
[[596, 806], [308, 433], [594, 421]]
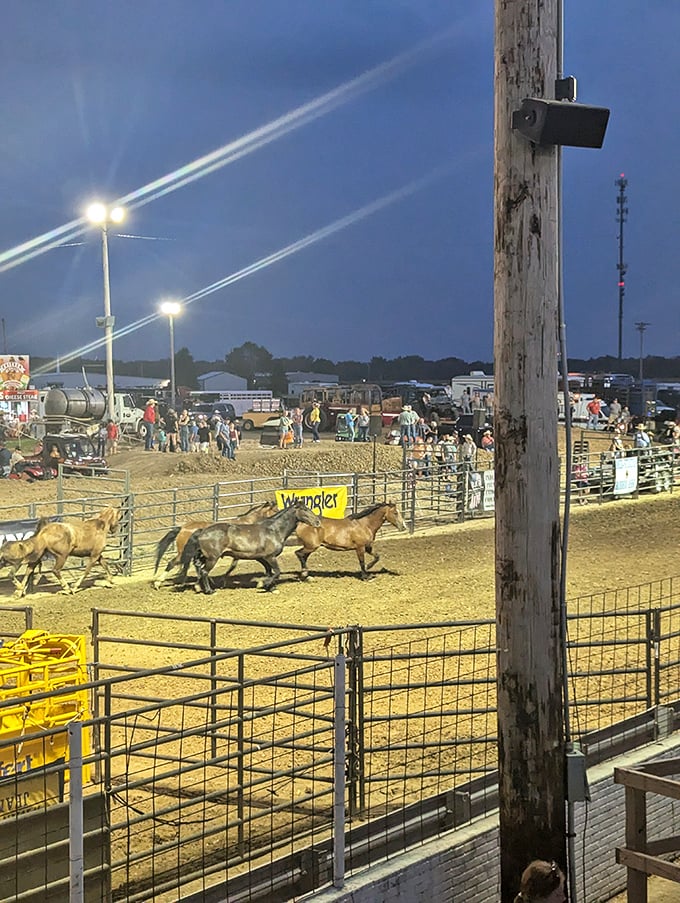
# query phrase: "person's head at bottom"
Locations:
[[542, 882]]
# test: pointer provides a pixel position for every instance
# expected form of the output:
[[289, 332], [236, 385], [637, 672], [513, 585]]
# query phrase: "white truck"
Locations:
[[61, 410]]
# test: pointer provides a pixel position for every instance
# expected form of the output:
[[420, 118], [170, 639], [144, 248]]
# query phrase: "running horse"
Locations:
[[81, 539], [15, 552], [180, 535], [354, 533], [262, 542]]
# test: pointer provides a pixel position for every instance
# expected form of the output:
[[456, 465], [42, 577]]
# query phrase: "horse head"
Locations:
[[110, 517], [305, 515], [393, 516]]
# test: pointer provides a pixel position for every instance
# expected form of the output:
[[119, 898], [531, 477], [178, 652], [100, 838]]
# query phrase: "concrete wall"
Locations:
[[463, 865]]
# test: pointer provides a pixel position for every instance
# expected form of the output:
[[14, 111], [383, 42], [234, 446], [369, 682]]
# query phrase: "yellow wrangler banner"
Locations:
[[326, 501], [30, 791]]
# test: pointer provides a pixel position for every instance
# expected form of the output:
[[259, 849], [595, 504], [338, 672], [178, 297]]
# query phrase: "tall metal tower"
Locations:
[[621, 217]]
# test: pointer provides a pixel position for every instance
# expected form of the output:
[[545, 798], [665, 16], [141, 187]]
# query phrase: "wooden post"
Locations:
[[530, 705]]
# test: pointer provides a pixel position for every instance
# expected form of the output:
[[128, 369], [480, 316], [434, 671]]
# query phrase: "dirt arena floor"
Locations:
[[443, 574], [446, 573]]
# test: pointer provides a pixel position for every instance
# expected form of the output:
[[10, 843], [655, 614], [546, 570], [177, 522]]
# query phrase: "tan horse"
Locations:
[[15, 552], [180, 535], [354, 533], [81, 539]]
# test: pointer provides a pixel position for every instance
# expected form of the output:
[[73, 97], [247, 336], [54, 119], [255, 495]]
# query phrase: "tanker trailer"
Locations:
[[64, 408]]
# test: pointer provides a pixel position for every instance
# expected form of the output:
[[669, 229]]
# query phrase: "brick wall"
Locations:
[[462, 866]]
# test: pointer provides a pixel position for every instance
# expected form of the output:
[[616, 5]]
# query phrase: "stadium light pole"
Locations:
[[641, 326], [170, 309], [101, 215]]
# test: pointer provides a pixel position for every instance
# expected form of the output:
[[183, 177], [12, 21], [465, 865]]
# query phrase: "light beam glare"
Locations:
[[324, 232], [228, 153]]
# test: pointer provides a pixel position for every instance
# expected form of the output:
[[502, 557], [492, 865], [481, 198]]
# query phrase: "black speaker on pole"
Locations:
[[547, 122]]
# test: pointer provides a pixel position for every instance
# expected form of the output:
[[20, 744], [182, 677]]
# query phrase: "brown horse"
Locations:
[[82, 539], [354, 533], [181, 535], [262, 542]]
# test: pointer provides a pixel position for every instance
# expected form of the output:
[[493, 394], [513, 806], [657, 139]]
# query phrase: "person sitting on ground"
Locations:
[[5, 458], [542, 882], [16, 458]]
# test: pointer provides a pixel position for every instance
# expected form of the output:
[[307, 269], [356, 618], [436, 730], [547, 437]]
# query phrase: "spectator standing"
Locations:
[[405, 426], [203, 435], [162, 437], [285, 425], [468, 451], [594, 407], [315, 421], [112, 436], [149, 419], [221, 436], [193, 435], [101, 440], [183, 426], [363, 423], [614, 413], [296, 421], [350, 420], [625, 419], [234, 440], [171, 429]]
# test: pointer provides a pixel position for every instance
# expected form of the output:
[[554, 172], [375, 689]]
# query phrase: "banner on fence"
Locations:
[[326, 501], [480, 495], [625, 475], [31, 790], [16, 529]]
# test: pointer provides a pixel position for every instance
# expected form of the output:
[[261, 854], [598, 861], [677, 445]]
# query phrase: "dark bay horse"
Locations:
[[82, 539], [261, 542], [354, 533], [181, 534]]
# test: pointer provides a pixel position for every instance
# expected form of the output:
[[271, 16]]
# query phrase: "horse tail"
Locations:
[[164, 543], [191, 550]]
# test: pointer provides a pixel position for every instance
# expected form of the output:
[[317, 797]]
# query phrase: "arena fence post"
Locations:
[[75, 813], [339, 771], [216, 503], [355, 727], [213, 687], [240, 766], [654, 634]]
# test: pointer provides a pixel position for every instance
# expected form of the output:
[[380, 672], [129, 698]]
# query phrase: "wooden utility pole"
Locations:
[[526, 266]]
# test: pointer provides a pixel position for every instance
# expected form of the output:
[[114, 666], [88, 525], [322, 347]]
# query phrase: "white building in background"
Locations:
[[298, 381], [221, 381]]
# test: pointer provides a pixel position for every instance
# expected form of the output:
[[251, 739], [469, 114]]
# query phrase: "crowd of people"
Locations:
[[185, 432]]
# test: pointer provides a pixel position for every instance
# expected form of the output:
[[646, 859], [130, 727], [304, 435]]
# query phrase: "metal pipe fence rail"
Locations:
[[14, 620], [435, 495], [216, 774]]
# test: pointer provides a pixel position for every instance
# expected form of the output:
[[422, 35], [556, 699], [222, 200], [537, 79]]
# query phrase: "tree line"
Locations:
[[262, 370]]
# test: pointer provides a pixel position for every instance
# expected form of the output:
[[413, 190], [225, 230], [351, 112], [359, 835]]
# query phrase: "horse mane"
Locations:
[[259, 506], [366, 511], [42, 523]]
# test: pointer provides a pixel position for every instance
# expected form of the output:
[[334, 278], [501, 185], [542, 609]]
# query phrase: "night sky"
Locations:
[[354, 215]]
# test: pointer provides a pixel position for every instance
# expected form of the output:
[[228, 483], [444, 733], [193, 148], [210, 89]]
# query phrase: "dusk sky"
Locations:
[[354, 214]]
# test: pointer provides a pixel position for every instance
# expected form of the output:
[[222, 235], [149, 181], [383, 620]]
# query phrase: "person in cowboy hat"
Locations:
[[150, 423]]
